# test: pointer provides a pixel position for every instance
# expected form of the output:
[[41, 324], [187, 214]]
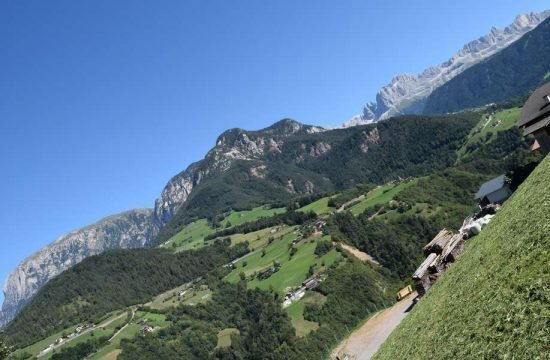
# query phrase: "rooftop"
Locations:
[[536, 112], [491, 186]]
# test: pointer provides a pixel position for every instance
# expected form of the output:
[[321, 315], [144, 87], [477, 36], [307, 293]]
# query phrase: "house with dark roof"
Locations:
[[535, 117], [494, 191]]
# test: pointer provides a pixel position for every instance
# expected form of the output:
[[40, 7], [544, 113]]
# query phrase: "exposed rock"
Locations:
[[131, 229], [259, 171], [290, 186], [407, 93], [319, 149], [174, 194], [371, 138], [309, 186]]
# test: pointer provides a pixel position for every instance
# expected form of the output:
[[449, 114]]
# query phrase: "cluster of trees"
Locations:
[[81, 350], [349, 194], [397, 241], [262, 323], [110, 281], [5, 350], [353, 290], [322, 247]]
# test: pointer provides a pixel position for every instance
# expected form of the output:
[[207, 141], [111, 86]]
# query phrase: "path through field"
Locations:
[[363, 343]]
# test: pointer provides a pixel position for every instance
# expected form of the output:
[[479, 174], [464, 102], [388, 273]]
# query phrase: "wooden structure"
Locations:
[[440, 253], [438, 242], [535, 117], [403, 293]]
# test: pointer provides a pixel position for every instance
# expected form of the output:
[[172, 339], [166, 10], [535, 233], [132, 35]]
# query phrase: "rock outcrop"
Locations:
[[131, 229], [407, 93]]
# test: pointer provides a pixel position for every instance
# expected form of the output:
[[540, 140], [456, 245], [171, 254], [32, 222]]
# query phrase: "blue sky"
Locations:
[[101, 102]]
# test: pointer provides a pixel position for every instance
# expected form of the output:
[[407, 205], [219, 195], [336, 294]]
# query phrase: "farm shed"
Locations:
[[494, 191]]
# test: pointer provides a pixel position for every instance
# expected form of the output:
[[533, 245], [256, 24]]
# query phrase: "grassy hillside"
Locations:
[[488, 128], [493, 303]]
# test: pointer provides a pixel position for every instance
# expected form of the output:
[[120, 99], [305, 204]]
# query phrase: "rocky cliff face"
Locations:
[[407, 93], [131, 229]]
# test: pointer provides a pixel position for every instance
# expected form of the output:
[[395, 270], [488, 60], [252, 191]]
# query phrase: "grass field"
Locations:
[[296, 313], [224, 337], [190, 237], [319, 207], [293, 269], [493, 302], [381, 195], [241, 217], [167, 299], [260, 238], [481, 131]]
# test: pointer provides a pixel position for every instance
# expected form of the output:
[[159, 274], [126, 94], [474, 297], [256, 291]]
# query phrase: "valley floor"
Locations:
[[363, 343]]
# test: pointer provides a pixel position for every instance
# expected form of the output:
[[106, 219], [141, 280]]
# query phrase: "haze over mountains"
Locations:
[[139, 228]]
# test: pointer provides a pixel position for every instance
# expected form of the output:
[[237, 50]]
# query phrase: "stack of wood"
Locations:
[[440, 253]]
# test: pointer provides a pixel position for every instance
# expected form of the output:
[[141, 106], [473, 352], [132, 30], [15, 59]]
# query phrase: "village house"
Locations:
[[494, 191], [535, 117]]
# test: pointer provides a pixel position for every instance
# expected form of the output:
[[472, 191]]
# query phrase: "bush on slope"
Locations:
[[494, 302]]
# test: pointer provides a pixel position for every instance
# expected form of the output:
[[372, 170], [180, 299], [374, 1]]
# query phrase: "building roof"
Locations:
[[536, 111], [491, 186]]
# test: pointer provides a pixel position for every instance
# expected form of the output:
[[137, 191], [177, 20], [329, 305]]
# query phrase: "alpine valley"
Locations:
[[328, 223]]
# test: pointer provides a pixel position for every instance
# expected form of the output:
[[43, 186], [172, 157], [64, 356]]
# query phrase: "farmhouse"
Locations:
[[535, 117], [494, 191]]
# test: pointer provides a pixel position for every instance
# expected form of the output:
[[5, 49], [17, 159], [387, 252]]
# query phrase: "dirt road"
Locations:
[[363, 343]]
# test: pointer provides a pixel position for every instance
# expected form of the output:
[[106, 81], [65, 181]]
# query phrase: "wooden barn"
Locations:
[[535, 117]]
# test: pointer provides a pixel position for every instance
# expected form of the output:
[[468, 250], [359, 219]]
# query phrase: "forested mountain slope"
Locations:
[[110, 281], [250, 168]]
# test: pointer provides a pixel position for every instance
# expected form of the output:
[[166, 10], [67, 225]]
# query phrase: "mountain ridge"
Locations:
[[407, 93]]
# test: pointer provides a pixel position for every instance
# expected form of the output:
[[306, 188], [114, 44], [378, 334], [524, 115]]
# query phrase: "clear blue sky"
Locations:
[[101, 102]]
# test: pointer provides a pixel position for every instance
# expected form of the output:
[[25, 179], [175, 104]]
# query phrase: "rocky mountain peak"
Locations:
[[406, 93]]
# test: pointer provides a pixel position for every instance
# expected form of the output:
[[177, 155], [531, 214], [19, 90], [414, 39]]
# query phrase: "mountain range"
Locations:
[[285, 160], [407, 93]]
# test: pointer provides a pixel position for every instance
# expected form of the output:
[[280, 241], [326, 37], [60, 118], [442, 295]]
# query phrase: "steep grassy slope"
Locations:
[[488, 129], [494, 302], [517, 69]]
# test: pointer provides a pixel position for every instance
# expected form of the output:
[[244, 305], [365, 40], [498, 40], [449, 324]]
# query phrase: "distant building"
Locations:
[[535, 117], [494, 191]]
